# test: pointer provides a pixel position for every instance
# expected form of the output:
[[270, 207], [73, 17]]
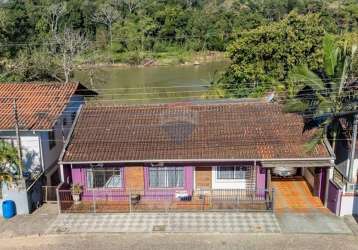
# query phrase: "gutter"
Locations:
[[196, 160], [26, 130]]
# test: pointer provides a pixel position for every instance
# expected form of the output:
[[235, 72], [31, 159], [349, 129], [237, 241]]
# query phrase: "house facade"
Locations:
[[184, 152], [346, 174], [45, 112]]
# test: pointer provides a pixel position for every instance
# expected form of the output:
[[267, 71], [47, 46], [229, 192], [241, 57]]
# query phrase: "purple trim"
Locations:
[[323, 185], [260, 180], [334, 198]]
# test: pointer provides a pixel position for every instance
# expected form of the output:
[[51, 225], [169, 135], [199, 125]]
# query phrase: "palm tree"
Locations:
[[323, 96], [9, 161]]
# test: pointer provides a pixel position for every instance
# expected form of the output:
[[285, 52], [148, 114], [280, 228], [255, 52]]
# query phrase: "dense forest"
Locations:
[[47, 39]]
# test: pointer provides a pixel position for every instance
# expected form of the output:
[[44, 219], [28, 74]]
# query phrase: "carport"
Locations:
[[299, 185]]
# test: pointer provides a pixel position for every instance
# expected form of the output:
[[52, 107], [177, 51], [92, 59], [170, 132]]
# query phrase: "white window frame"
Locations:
[[166, 178], [227, 183], [235, 171]]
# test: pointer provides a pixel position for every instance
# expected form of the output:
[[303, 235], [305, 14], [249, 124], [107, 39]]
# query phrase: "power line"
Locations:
[[250, 85]]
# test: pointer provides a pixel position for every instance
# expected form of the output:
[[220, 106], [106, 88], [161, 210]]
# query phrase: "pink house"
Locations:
[[224, 151]]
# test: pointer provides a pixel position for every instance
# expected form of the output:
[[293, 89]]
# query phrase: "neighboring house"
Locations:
[[345, 175], [188, 149], [45, 113]]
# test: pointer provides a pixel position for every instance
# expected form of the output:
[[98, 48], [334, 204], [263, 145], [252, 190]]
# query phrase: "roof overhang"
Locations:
[[25, 130], [299, 162]]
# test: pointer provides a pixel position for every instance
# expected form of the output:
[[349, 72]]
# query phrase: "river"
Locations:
[[152, 84]]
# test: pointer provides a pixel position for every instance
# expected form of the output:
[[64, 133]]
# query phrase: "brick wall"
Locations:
[[203, 177], [134, 177]]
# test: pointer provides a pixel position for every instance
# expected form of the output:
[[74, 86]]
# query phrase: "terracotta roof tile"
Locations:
[[188, 132], [39, 104]]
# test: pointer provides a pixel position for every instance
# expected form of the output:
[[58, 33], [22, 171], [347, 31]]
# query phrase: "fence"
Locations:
[[49, 194], [119, 200]]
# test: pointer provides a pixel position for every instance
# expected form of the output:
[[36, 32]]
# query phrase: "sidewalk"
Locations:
[[34, 224], [218, 222], [47, 221]]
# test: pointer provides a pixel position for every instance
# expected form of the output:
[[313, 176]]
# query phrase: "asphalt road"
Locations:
[[182, 241]]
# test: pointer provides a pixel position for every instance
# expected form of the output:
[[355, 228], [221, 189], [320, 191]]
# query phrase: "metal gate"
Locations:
[[115, 200], [49, 193]]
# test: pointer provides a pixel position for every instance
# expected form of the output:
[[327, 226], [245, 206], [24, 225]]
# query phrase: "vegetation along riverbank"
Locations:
[[265, 40]]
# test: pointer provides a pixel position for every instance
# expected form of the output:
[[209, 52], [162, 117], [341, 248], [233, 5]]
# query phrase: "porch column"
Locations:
[[62, 173], [268, 178]]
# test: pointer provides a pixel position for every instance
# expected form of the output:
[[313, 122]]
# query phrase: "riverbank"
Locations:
[[146, 59]]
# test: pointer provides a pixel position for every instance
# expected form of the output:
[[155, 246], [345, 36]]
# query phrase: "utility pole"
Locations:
[[19, 153], [353, 147]]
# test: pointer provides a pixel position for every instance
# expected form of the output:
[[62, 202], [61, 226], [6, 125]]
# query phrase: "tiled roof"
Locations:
[[39, 104], [188, 132]]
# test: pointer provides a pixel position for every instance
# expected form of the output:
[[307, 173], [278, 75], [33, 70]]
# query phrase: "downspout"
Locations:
[[353, 148]]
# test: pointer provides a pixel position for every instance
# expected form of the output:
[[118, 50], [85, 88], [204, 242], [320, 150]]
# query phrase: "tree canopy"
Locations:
[[266, 54]]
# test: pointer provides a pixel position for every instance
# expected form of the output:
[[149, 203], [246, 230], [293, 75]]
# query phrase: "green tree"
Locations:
[[266, 54], [326, 93], [9, 161]]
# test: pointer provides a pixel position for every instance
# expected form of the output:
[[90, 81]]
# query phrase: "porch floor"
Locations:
[[294, 195]]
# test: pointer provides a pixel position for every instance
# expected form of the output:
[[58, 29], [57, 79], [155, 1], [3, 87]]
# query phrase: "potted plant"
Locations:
[[76, 190]]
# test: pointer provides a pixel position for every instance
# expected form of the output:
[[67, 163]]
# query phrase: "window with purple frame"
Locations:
[[104, 178]]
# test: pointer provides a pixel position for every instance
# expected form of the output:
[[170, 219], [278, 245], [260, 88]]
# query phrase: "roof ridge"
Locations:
[[180, 104]]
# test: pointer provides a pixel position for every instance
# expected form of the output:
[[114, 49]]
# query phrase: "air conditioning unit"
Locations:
[[284, 171]]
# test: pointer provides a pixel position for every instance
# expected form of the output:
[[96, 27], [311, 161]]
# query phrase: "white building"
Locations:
[[345, 175], [45, 113]]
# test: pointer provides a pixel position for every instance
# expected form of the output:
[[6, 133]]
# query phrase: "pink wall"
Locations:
[[260, 178], [79, 177]]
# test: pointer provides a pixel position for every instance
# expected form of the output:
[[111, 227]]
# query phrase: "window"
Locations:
[[166, 177], [231, 173], [104, 178], [51, 139]]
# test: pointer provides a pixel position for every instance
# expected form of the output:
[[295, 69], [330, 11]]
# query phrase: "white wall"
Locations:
[[226, 184], [36, 151], [349, 205], [51, 156]]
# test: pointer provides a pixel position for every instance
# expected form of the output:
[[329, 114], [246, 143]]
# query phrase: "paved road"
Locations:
[[182, 241]]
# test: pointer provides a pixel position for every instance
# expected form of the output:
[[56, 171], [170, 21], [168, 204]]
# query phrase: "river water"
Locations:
[[152, 84]]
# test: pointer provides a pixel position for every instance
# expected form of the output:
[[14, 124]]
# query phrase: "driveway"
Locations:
[[294, 195]]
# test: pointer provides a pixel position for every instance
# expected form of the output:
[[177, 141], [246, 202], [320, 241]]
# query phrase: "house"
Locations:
[[45, 113], [182, 151], [345, 176]]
